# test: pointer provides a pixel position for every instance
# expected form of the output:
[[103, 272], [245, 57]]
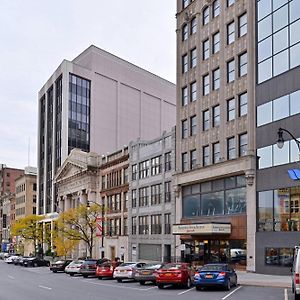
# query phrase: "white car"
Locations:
[[126, 270], [74, 267], [10, 259], [296, 274]]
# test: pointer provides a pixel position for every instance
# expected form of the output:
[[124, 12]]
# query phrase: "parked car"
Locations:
[[215, 275], [88, 267], [126, 270], [10, 259], [22, 259], [74, 267], [105, 270], [147, 273], [60, 265], [175, 274], [36, 262], [296, 274]]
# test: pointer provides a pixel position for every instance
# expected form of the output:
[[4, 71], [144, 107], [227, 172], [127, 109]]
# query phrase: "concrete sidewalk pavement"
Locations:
[[249, 278]]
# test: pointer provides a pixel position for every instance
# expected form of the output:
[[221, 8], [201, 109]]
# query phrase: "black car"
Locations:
[[36, 262], [59, 266]]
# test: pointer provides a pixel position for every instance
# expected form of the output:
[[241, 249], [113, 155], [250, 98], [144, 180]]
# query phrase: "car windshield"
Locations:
[[106, 264], [172, 267], [213, 268], [59, 262], [127, 264], [151, 266], [89, 262], [76, 262]]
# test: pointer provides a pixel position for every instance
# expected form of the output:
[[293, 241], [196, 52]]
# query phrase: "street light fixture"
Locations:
[[280, 140]]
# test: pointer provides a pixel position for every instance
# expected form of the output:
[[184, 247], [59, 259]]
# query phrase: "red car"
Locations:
[[106, 270], [175, 274]]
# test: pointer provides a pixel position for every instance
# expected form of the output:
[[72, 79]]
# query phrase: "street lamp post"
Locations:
[[280, 140], [102, 223]]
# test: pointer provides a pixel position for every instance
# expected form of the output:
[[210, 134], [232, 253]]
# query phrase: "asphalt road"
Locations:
[[39, 283]]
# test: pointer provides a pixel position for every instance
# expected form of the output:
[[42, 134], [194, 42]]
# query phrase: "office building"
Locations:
[[98, 103]]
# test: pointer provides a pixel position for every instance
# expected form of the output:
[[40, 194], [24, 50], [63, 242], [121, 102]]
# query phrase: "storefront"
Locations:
[[212, 242]]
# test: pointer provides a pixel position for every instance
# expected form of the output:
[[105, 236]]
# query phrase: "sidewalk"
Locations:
[[248, 278]]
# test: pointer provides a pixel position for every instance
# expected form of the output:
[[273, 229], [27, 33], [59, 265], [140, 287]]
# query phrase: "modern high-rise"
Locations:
[[237, 83], [97, 102]]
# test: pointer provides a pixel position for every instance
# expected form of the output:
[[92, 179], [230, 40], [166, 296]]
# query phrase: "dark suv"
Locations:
[[88, 268]]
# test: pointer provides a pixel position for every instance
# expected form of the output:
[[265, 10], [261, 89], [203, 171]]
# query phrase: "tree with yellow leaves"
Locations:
[[29, 228], [64, 246], [80, 224]]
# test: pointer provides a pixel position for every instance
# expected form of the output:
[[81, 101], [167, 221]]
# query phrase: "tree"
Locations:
[[64, 246], [29, 228], [79, 224]]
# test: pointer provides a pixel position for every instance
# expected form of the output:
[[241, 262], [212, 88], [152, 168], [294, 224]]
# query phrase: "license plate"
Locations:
[[122, 271], [168, 274], [208, 276], [146, 273]]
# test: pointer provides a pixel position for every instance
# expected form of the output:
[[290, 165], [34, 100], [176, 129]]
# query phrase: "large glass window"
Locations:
[[278, 27]]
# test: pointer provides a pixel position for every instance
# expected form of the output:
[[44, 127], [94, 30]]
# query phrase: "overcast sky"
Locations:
[[36, 35]]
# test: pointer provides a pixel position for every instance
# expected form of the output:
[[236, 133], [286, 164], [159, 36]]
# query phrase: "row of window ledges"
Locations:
[[206, 11], [279, 108], [152, 166], [212, 154], [278, 38], [215, 116], [242, 66], [232, 33]]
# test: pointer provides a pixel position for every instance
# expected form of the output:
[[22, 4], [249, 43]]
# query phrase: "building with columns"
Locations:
[[97, 103]]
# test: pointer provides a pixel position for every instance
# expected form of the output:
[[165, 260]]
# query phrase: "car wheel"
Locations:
[[228, 286], [85, 276], [71, 274], [55, 271], [100, 278], [142, 282], [35, 264], [235, 282], [160, 285], [188, 283], [119, 280], [198, 288]]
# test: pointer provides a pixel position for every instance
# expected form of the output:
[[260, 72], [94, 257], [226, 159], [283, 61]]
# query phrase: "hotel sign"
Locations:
[[208, 228]]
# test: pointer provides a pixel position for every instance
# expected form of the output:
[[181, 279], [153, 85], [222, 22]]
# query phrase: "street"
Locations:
[[40, 283]]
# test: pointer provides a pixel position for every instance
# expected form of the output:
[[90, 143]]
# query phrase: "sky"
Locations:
[[37, 35]]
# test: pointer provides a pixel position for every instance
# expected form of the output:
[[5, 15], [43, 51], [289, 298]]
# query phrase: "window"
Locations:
[[230, 2], [216, 153], [167, 223], [206, 120], [205, 155], [156, 165], [134, 173], [231, 152], [185, 3], [193, 157], [125, 175], [205, 48], [242, 25], [230, 109], [205, 84], [156, 224], [193, 62], [216, 116], [144, 169], [133, 225], [243, 64], [216, 8], [168, 161], [184, 32], [216, 79], [184, 160], [230, 33], [125, 228], [155, 194], [184, 63], [143, 225], [184, 129], [168, 191], [193, 91], [216, 42], [205, 15], [194, 25], [230, 71], [193, 125], [243, 144], [243, 107], [184, 96], [143, 196]]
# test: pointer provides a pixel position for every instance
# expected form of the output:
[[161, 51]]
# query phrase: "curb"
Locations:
[[264, 284]]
